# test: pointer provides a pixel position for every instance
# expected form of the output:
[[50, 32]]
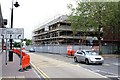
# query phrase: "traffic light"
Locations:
[[5, 21]]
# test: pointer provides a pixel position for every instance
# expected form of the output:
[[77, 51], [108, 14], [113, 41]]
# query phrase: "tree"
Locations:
[[28, 41], [94, 16], [17, 44]]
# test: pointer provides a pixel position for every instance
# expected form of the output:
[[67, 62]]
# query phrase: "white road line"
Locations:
[[118, 78], [95, 73], [112, 74], [77, 65], [106, 64], [117, 64], [36, 73]]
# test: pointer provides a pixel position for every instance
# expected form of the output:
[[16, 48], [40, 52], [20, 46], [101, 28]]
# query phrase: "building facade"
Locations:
[[111, 38], [58, 31], [3, 22], [1, 25], [1, 18]]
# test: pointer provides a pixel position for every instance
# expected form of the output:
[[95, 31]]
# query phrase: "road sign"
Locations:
[[12, 33], [2, 33], [15, 33]]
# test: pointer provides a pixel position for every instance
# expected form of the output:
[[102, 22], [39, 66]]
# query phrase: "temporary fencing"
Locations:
[[25, 58]]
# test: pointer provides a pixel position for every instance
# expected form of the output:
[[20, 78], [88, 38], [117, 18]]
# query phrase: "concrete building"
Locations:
[[58, 31], [1, 18], [3, 22], [1, 25], [111, 39]]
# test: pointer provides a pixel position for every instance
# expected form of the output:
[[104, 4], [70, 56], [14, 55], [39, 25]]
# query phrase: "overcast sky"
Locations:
[[32, 13]]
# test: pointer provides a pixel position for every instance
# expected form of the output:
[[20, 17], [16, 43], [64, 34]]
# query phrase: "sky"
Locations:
[[32, 13]]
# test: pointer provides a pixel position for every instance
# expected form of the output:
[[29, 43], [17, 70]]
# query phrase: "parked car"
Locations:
[[88, 56], [32, 50]]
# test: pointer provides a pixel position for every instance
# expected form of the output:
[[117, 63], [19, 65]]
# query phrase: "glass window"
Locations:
[[90, 53], [79, 53]]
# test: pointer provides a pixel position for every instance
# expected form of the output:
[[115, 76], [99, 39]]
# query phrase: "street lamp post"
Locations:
[[11, 52]]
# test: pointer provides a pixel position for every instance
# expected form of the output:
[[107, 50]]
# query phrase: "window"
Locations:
[[79, 53]]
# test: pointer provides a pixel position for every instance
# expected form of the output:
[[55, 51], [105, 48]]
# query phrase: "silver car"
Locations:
[[88, 56], [31, 50]]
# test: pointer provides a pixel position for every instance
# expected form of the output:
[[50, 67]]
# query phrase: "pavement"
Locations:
[[11, 70]]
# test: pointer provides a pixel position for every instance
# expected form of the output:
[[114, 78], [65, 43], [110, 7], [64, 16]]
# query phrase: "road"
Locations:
[[110, 68]]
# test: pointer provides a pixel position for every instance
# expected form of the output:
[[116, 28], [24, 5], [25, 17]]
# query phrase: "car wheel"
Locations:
[[86, 61], [100, 63], [75, 59]]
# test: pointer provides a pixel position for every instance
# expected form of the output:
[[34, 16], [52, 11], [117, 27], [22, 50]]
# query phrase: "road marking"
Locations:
[[95, 73], [117, 64], [41, 72], [36, 73], [78, 65], [109, 73], [118, 78], [106, 64], [111, 76], [20, 77]]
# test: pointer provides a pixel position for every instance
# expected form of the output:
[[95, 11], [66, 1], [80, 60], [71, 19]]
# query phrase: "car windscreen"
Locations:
[[90, 53], [31, 48]]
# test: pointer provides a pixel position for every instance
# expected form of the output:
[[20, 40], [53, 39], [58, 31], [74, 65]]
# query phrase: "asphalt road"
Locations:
[[110, 68], [51, 67]]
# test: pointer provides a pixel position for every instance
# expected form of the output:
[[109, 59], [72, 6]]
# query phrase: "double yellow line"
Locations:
[[41, 72]]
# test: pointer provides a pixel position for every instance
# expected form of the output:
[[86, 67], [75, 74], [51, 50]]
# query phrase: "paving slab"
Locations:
[[11, 70]]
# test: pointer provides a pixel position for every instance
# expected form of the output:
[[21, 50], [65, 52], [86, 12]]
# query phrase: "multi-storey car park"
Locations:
[[58, 31]]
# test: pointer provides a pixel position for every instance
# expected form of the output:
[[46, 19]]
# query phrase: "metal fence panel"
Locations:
[[60, 49]]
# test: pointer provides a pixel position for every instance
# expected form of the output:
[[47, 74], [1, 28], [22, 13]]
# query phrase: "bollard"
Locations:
[[10, 55]]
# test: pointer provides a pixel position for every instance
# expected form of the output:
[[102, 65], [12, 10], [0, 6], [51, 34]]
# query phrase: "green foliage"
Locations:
[[17, 44], [28, 41], [94, 16]]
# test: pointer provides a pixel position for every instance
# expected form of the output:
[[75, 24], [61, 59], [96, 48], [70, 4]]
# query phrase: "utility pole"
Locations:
[[11, 52]]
